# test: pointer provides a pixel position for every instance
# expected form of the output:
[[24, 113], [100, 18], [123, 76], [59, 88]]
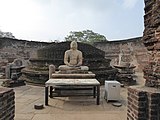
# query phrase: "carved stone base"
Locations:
[[12, 83]]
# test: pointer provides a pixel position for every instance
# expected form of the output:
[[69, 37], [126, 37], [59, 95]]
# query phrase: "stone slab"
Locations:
[[55, 75], [73, 82]]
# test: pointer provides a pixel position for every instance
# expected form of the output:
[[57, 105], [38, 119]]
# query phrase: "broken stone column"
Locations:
[[8, 71], [51, 70]]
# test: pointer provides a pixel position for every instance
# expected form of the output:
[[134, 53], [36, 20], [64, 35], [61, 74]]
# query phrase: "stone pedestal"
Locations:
[[126, 74], [13, 83]]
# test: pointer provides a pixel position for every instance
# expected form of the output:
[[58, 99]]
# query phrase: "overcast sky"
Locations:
[[46, 20]]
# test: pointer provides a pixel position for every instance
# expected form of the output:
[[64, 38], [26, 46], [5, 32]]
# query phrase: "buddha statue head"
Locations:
[[74, 45]]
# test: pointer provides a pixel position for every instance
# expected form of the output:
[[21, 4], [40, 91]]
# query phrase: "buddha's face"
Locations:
[[73, 45]]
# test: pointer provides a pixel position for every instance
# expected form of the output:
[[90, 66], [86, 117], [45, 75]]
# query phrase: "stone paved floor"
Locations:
[[65, 108]]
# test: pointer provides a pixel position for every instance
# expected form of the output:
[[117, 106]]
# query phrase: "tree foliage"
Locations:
[[6, 34], [85, 36]]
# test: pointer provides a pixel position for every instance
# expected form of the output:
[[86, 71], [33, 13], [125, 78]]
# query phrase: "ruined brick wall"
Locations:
[[7, 104], [11, 49], [131, 50], [143, 104], [151, 39]]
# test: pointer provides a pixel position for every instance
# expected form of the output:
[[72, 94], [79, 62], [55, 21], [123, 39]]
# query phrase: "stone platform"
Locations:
[[77, 75]]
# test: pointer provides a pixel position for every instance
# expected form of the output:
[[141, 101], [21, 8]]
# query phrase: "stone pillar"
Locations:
[[51, 70], [7, 104], [8, 71]]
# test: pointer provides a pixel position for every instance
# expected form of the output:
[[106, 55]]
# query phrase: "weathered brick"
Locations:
[[144, 109], [140, 103], [129, 99], [154, 107], [154, 95], [154, 113], [151, 38], [7, 108]]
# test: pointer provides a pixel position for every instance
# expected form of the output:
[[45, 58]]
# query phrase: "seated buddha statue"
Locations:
[[73, 59]]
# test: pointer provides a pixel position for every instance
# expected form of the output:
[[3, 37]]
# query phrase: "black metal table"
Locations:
[[52, 83]]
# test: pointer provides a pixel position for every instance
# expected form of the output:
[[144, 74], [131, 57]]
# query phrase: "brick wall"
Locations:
[[11, 49], [151, 39], [7, 104], [130, 50], [143, 103]]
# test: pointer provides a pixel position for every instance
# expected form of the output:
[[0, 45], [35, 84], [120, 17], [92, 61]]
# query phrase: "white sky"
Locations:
[[46, 20]]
